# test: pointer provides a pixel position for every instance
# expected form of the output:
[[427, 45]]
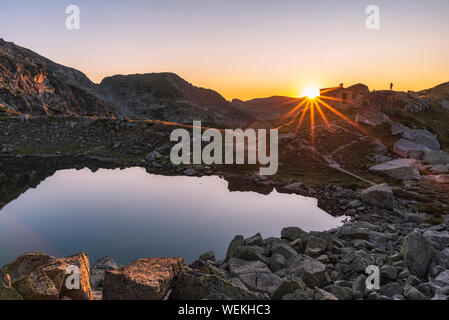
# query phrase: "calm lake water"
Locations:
[[129, 214]]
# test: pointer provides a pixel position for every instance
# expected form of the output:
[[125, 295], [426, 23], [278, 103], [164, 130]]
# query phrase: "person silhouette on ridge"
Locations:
[[391, 86]]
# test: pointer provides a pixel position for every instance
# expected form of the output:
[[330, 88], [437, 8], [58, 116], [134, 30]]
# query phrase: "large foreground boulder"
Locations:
[[142, 279], [37, 276], [194, 284], [379, 196], [417, 253], [400, 169]]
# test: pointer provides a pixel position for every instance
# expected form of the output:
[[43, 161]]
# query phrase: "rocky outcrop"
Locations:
[[166, 96], [143, 279], [379, 196], [400, 169], [388, 101], [32, 84], [371, 117], [37, 276]]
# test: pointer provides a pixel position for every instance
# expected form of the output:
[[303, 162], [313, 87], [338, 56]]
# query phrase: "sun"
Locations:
[[311, 92]]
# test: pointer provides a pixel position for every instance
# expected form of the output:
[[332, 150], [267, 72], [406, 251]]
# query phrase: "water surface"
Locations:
[[129, 214]]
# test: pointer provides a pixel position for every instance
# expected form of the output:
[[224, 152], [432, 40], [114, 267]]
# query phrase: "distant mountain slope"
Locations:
[[166, 96], [267, 108], [30, 83]]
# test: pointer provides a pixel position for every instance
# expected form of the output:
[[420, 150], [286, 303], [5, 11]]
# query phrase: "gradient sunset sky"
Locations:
[[243, 49]]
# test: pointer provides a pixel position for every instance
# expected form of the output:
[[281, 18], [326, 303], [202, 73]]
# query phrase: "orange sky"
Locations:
[[244, 49]]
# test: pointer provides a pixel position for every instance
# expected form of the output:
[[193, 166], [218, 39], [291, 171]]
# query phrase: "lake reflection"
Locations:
[[129, 214]]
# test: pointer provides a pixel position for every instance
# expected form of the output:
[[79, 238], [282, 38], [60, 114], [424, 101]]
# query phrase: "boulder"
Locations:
[[371, 117], [443, 279], [434, 157], [208, 256], [193, 284], [233, 245], [351, 231], [311, 271], [288, 286], [250, 253], [9, 293], [300, 294], [400, 169], [99, 269], [342, 293], [255, 240], [292, 233], [417, 253], [277, 262], [315, 246], [255, 275], [409, 149], [422, 137], [391, 289], [321, 294], [143, 279], [284, 250], [38, 276], [439, 169], [379, 196], [398, 128], [388, 272], [411, 293], [37, 286], [438, 239]]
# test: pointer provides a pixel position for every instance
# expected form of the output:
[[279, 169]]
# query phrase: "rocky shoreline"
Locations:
[[412, 257]]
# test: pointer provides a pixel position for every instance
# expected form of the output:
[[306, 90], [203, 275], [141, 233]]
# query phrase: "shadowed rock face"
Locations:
[[143, 279]]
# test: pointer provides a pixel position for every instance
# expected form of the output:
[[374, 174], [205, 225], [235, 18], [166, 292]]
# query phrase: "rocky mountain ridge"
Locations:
[[32, 84]]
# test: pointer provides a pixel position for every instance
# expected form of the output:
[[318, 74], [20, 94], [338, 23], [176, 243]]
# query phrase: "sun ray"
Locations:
[[328, 90], [293, 110], [338, 113], [332, 98], [312, 123], [323, 116], [302, 116]]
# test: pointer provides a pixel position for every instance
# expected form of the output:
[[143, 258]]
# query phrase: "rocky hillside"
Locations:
[[32, 84], [166, 96]]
